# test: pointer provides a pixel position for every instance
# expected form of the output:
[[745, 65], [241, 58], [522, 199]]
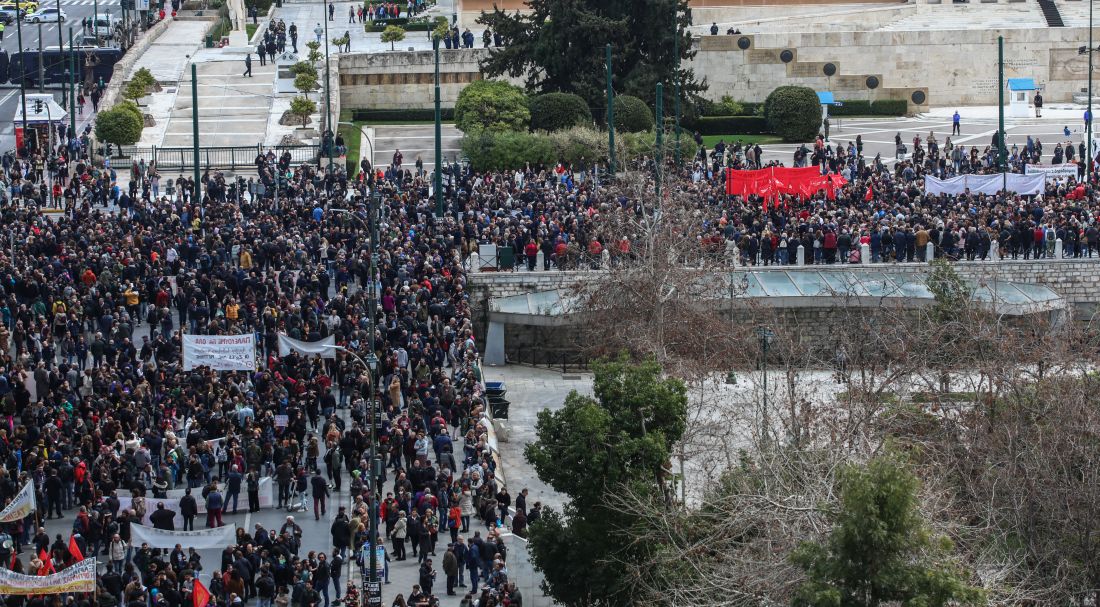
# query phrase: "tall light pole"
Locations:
[[765, 334], [438, 138], [659, 161], [371, 365], [328, 92], [60, 50], [676, 82], [22, 71], [72, 86], [610, 115], [1088, 125]]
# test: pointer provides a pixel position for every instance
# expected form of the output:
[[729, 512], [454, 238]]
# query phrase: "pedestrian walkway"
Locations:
[[415, 140], [308, 16]]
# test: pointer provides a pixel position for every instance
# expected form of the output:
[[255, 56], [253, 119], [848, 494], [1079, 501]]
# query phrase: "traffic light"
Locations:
[[37, 106]]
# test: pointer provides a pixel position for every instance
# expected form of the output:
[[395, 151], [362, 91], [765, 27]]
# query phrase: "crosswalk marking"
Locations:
[[88, 2]]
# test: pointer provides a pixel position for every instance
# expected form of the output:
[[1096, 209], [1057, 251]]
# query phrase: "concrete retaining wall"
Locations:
[[405, 80]]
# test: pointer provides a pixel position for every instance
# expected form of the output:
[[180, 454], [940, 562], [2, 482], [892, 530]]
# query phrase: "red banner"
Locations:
[[773, 181]]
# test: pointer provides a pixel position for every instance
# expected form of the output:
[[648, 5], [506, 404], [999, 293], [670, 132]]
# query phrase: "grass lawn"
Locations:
[[250, 29], [711, 140], [353, 139], [412, 122]]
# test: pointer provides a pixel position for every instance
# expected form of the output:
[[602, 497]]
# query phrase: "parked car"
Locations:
[[46, 15], [26, 6], [8, 15]]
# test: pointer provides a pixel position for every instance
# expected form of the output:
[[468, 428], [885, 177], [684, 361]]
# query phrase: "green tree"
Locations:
[[302, 108], [119, 125], [491, 104], [589, 448], [632, 115], [559, 46], [306, 82], [134, 90], [793, 113], [556, 111], [145, 77], [393, 34], [880, 550]]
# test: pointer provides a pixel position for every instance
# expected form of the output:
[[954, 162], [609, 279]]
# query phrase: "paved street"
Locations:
[[74, 10], [415, 140]]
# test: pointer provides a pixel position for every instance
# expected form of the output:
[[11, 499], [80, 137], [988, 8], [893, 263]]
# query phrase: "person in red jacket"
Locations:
[[531, 250]]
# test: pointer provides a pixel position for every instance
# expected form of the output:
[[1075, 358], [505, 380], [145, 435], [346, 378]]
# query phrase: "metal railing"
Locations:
[[564, 359], [213, 157]]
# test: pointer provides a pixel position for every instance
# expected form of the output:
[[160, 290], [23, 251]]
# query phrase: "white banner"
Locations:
[[78, 578], [324, 348], [1054, 171], [220, 352], [172, 502], [202, 539], [22, 505], [987, 184]]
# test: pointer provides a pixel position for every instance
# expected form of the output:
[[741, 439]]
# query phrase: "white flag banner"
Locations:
[[22, 505], [987, 184], [220, 352], [172, 502], [324, 348], [1054, 171], [78, 578], [202, 539]]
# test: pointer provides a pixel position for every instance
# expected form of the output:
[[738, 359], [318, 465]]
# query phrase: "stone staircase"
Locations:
[[981, 16], [1051, 14], [1075, 13]]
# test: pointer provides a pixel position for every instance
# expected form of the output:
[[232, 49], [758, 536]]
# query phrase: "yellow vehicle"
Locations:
[[28, 6]]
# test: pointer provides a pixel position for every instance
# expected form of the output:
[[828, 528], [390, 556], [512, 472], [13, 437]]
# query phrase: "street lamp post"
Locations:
[[371, 365], [765, 334], [1088, 125], [22, 70], [328, 92]]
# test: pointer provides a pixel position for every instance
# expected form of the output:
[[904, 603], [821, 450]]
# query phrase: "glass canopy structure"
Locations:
[[813, 288], [785, 289]]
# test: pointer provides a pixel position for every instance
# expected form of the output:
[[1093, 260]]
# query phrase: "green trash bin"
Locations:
[[506, 258], [209, 41]]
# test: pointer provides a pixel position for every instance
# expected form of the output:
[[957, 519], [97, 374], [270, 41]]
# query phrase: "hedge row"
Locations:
[[411, 115], [417, 25], [884, 107], [729, 125], [509, 150]]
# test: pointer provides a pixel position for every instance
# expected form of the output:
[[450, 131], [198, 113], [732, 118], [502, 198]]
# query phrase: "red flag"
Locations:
[[870, 195], [74, 549], [200, 595], [47, 563]]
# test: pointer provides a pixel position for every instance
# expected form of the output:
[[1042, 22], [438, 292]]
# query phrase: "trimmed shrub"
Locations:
[[731, 125], [506, 150], [579, 145], [632, 115], [491, 105], [793, 113], [860, 107], [411, 115], [119, 125], [557, 111]]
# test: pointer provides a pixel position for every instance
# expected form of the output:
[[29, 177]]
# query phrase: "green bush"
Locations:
[[302, 108], [133, 108], [579, 145], [632, 115], [119, 125], [557, 111], [793, 113], [860, 107], [494, 105], [507, 150], [629, 146], [411, 115], [727, 125]]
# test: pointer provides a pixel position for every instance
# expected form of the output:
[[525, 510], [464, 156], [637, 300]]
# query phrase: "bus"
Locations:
[[24, 65]]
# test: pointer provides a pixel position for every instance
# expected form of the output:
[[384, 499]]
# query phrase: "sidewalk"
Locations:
[[308, 16]]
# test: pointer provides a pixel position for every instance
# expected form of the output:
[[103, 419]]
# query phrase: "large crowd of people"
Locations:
[[97, 407]]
